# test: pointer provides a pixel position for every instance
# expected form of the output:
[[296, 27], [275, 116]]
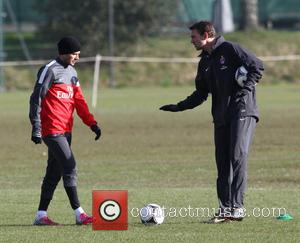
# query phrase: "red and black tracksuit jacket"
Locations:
[[56, 94]]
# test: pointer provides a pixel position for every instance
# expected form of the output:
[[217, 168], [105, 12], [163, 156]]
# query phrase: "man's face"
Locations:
[[71, 58], [197, 40]]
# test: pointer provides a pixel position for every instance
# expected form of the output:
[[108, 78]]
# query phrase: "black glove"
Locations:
[[171, 107], [36, 140], [240, 94], [97, 131]]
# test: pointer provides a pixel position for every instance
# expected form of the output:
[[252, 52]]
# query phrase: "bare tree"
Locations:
[[249, 16]]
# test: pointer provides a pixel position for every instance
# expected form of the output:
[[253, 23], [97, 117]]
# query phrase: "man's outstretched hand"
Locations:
[[97, 131], [171, 107]]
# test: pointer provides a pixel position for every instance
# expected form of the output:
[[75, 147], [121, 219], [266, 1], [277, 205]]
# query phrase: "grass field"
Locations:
[[158, 157]]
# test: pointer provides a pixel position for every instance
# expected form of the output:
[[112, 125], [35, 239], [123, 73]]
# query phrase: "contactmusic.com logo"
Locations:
[[110, 210]]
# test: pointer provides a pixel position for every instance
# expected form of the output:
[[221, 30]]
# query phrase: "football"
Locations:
[[152, 214], [241, 75]]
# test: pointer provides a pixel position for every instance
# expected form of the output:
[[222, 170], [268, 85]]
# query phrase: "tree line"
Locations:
[[88, 20]]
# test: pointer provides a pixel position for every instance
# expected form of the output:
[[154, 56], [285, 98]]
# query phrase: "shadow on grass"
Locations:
[[31, 225], [133, 224], [136, 224]]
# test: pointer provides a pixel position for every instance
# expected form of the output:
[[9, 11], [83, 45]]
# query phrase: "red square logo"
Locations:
[[110, 211]]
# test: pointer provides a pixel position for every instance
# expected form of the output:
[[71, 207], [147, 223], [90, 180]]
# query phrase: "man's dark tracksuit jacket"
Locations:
[[216, 75]]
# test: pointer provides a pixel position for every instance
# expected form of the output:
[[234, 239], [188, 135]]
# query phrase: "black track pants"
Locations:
[[232, 143], [61, 163]]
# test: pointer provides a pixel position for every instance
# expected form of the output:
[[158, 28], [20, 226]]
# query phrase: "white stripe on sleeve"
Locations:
[[41, 79]]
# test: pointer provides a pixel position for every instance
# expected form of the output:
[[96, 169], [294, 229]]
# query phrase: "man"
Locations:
[[234, 112], [56, 94]]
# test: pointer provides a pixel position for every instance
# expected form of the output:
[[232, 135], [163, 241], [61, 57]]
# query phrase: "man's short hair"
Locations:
[[204, 26]]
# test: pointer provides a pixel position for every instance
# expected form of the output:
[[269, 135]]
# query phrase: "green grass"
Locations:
[[158, 157]]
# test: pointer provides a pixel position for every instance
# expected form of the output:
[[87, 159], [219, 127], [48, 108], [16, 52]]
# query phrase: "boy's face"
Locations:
[[70, 58]]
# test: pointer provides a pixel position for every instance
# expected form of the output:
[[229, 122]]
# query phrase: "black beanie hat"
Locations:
[[67, 45]]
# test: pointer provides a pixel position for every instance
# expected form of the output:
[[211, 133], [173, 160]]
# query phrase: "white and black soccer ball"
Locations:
[[241, 75], [152, 214]]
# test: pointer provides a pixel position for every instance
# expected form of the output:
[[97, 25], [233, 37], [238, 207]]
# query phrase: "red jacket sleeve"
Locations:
[[82, 108]]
